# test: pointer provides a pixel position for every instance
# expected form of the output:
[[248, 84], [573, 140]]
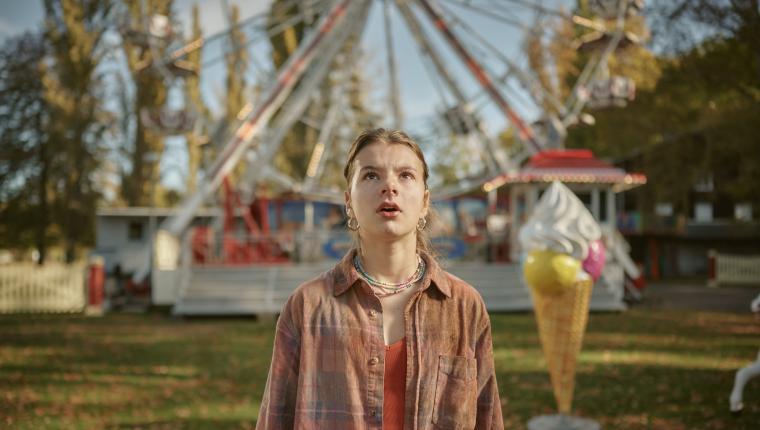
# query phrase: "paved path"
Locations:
[[695, 296]]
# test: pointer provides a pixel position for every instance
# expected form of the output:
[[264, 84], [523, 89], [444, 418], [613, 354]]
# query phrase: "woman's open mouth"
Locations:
[[388, 210]]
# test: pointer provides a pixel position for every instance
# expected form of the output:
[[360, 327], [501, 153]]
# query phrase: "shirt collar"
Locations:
[[344, 275]]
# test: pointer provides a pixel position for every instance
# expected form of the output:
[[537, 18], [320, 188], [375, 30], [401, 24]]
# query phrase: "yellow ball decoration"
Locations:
[[550, 272]]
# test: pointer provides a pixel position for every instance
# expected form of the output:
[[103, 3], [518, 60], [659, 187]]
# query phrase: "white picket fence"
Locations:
[[734, 269], [52, 288]]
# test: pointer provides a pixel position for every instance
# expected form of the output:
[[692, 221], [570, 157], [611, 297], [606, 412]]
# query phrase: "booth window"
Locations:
[[135, 231]]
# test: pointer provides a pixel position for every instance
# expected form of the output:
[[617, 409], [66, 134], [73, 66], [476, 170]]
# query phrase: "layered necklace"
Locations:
[[385, 289]]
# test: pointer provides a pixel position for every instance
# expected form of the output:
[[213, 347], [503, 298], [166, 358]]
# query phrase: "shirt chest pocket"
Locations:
[[455, 403]]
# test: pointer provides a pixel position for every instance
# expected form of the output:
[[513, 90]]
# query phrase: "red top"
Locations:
[[394, 385]]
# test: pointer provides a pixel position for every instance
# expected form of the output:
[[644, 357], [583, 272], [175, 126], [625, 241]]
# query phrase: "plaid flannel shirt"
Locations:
[[328, 360]]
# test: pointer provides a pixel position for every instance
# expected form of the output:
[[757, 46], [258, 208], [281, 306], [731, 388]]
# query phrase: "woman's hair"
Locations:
[[381, 135]]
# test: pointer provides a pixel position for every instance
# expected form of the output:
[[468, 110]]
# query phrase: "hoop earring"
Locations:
[[353, 224], [421, 224]]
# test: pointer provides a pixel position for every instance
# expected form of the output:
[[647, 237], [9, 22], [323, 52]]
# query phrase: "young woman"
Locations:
[[386, 339]]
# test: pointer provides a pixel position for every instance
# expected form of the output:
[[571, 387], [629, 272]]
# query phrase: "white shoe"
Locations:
[[735, 402]]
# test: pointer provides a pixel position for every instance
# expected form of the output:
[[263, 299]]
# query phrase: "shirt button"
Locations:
[[372, 313], [374, 360], [372, 413]]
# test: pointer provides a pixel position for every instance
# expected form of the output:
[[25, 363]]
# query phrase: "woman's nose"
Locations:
[[390, 187]]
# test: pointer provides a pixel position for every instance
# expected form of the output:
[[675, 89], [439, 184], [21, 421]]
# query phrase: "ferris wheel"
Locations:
[[454, 71]]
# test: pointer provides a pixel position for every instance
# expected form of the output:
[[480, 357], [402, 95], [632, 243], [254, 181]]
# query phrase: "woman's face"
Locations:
[[387, 192]]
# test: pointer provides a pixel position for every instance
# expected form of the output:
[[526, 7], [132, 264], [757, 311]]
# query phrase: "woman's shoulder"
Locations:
[[457, 282], [466, 298], [461, 289], [325, 285], [314, 287]]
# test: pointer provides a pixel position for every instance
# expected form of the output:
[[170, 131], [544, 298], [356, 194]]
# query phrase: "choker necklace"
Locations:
[[385, 289]]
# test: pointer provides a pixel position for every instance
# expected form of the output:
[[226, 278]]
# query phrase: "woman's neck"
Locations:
[[391, 262]]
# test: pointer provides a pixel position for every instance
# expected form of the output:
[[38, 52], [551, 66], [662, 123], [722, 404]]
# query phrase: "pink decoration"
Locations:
[[594, 262]]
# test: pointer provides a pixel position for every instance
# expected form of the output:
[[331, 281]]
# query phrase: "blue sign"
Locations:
[[450, 247]]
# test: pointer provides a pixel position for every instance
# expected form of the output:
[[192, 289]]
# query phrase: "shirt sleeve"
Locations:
[[489, 405], [279, 400]]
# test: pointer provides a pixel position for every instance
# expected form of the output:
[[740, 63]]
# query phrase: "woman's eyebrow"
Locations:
[[395, 168]]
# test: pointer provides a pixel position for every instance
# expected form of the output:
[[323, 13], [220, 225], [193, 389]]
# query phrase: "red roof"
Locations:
[[570, 166], [575, 158]]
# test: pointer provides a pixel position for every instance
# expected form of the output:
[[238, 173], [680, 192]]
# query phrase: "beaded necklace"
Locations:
[[385, 289]]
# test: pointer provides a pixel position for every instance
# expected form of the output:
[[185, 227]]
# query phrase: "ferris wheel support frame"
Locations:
[[524, 130], [398, 116]]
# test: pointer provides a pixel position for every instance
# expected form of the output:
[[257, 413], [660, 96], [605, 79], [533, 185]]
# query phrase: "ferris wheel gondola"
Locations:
[[156, 35]]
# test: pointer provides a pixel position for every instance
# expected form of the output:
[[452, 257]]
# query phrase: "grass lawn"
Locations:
[[643, 369]]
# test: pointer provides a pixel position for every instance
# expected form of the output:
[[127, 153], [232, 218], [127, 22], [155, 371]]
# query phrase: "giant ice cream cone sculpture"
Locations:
[[557, 237]]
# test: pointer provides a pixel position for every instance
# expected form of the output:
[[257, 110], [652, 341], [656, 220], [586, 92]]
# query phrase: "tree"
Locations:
[[25, 156], [199, 136], [237, 65], [72, 90], [139, 184], [697, 122]]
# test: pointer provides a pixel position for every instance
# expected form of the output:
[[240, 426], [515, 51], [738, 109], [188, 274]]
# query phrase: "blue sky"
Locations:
[[16, 16]]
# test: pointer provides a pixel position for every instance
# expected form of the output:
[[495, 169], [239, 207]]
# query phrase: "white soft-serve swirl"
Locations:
[[561, 223]]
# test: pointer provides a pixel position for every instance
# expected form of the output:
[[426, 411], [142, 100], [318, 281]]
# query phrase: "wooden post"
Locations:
[[712, 278], [95, 286]]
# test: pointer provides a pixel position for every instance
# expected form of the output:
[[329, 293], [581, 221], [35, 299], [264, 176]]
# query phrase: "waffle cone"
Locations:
[[561, 320]]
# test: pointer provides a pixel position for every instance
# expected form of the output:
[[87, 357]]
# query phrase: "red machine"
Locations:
[[254, 243]]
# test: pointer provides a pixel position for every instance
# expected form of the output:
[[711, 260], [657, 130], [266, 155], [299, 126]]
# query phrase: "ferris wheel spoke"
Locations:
[[430, 59], [392, 71], [262, 31], [511, 21], [321, 152], [287, 22], [533, 5], [207, 40]]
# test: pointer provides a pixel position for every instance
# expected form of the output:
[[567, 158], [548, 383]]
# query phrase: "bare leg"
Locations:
[[743, 375]]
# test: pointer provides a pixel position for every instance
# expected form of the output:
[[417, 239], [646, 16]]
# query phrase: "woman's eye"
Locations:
[[407, 175], [370, 175]]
